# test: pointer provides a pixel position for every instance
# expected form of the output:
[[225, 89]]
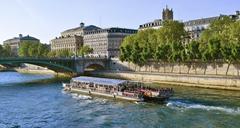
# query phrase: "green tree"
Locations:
[[234, 32], [126, 48], [161, 53], [85, 50], [171, 31], [176, 49], [136, 54], [220, 41], [43, 50], [193, 51], [33, 49], [64, 53], [147, 54], [24, 49], [125, 53], [52, 54], [7, 51], [2, 52], [217, 30]]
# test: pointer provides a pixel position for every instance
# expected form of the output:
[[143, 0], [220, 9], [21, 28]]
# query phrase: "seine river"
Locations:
[[47, 106]]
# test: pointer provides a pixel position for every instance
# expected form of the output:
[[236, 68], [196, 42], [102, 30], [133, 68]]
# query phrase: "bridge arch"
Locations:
[[96, 63], [65, 65], [94, 66], [52, 66]]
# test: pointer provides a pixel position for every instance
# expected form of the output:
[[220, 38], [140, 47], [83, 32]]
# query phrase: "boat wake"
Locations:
[[80, 97], [185, 106]]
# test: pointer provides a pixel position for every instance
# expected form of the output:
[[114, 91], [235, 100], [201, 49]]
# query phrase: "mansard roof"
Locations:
[[112, 30], [85, 28], [29, 38], [200, 21], [22, 38]]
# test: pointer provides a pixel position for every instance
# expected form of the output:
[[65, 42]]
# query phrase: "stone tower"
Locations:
[[167, 14]]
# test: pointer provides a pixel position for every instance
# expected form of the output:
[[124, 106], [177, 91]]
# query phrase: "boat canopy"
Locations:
[[100, 81]]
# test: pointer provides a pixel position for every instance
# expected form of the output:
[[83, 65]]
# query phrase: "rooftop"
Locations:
[[200, 21], [22, 38], [156, 22], [28, 38], [86, 28], [101, 81], [112, 30]]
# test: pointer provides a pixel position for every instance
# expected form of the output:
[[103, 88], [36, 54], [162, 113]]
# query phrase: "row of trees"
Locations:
[[220, 41], [5, 51], [84, 50], [33, 49]]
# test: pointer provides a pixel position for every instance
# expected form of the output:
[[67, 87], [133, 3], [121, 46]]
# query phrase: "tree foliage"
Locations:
[[5, 51], [220, 41], [85, 50], [154, 44], [33, 49]]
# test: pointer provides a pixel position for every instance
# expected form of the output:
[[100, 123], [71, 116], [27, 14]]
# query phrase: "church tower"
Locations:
[[167, 14]]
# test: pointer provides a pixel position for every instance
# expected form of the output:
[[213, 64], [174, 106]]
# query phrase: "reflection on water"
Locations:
[[14, 77], [49, 107]]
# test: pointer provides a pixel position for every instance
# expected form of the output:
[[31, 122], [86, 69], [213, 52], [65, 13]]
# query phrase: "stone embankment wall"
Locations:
[[174, 79], [196, 68], [221, 76]]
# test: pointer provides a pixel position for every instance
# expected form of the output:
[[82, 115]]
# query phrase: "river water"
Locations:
[[47, 106]]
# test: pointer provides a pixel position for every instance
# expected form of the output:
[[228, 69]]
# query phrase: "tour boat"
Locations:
[[117, 89]]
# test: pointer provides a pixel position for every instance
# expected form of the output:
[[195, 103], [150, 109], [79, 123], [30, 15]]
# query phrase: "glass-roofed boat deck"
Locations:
[[115, 88], [104, 86]]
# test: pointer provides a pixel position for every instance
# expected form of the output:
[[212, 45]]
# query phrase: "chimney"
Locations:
[[82, 25], [237, 12]]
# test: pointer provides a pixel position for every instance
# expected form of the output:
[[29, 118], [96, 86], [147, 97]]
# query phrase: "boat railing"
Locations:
[[133, 94], [130, 93]]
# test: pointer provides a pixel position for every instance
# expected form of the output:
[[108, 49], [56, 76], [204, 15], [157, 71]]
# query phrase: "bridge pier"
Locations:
[[79, 67]]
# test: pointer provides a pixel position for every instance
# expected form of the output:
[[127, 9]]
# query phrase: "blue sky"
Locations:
[[45, 19]]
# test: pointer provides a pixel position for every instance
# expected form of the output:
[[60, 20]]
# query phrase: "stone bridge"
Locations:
[[64, 65]]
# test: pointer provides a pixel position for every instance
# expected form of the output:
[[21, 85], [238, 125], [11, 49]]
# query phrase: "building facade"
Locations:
[[71, 39], [15, 42], [79, 31], [71, 43], [167, 14], [196, 27], [106, 42], [193, 27]]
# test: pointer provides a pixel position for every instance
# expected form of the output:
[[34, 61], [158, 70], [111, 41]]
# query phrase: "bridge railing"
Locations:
[[53, 58]]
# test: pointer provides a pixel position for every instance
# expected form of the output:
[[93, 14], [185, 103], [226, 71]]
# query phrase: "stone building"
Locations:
[[71, 39], [15, 42], [196, 27], [235, 16], [79, 31], [71, 43], [106, 42], [167, 14], [193, 27]]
